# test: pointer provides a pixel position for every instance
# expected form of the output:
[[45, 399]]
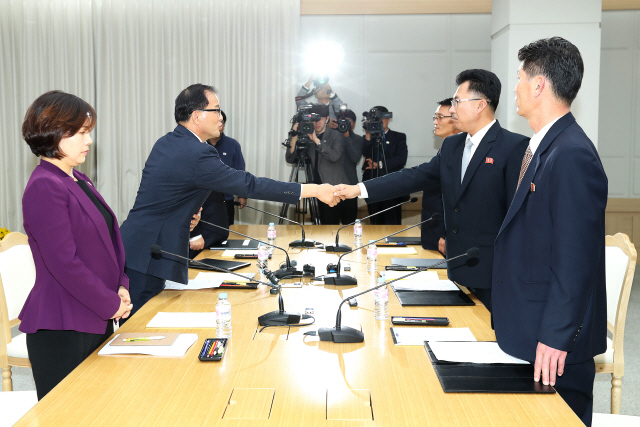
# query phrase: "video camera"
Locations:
[[305, 118], [372, 121]]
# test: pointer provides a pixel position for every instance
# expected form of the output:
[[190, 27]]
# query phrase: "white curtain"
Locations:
[[130, 59]]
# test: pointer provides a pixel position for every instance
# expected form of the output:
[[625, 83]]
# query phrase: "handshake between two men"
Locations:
[[333, 194]]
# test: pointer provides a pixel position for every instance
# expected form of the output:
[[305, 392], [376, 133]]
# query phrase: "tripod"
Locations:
[[377, 148], [303, 161]]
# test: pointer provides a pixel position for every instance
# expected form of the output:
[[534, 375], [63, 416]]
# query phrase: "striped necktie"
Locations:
[[528, 155]]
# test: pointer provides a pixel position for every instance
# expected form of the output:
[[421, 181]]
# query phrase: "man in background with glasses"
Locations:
[[477, 173], [178, 176], [432, 233]]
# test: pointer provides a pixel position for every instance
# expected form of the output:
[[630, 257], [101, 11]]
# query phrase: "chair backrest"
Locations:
[[17, 277], [620, 258]]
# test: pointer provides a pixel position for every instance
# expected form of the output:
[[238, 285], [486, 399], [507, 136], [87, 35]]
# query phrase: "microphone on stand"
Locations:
[[342, 334], [300, 243], [345, 280], [287, 270], [279, 317], [344, 248]]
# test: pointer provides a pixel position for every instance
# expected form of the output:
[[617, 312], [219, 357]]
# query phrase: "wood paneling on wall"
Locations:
[[623, 216]]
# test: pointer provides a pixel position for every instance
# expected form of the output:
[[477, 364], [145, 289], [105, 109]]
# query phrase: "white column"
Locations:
[[516, 23]]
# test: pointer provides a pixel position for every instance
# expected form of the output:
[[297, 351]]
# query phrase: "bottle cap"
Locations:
[[222, 295], [271, 224]]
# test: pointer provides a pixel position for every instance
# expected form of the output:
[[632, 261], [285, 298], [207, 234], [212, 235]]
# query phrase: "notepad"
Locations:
[[207, 280], [177, 349], [424, 285], [183, 320], [472, 352], [417, 335]]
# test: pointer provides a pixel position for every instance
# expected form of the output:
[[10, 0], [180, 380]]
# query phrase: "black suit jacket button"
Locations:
[[455, 231], [456, 209]]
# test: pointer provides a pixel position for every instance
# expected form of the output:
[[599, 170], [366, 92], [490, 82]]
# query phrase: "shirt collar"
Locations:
[[475, 139], [193, 134], [537, 138]]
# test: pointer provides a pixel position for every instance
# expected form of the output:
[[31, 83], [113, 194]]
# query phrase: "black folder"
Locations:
[[417, 262], [461, 377], [407, 240], [210, 263], [427, 298]]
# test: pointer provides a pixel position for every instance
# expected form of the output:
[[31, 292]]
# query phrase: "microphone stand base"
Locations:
[[341, 280], [338, 248], [287, 271], [343, 335], [279, 318], [306, 243]]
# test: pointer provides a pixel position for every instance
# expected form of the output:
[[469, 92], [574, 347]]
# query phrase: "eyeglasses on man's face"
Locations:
[[439, 117], [214, 110], [455, 101]]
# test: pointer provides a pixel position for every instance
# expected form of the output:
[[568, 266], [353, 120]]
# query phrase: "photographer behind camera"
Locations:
[[323, 93], [346, 123], [323, 149], [385, 152]]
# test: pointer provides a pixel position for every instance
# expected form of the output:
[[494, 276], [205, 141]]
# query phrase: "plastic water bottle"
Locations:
[[357, 233], [263, 254], [381, 301], [271, 236], [223, 316], [372, 257]]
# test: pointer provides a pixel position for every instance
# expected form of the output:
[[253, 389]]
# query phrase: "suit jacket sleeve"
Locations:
[[399, 159], [577, 203], [406, 181], [50, 227]]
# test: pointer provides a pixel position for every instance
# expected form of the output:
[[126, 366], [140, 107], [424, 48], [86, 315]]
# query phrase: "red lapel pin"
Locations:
[[533, 187], [489, 160]]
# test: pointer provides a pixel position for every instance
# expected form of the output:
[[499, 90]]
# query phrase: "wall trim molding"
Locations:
[[409, 7]]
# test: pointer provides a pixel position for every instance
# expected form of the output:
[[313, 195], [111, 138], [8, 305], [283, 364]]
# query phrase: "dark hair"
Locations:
[[53, 116], [191, 99], [349, 114], [484, 83], [320, 109], [381, 109], [559, 61], [445, 102], [224, 117]]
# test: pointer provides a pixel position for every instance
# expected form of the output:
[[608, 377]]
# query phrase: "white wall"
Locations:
[[408, 62]]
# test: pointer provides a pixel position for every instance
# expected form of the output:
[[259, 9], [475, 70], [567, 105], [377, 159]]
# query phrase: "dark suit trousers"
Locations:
[[231, 210], [575, 386], [142, 287], [54, 354]]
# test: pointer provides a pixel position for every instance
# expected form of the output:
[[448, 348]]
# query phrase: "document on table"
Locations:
[[177, 349], [417, 335], [423, 275], [396, 250], [230, 253], [424, 285], [472, 352], [183, 320], [206, 280]]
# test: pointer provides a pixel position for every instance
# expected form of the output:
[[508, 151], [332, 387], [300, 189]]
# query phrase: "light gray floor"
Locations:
[[23, 380]]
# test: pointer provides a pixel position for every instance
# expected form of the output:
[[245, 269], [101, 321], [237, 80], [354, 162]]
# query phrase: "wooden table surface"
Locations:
[[280, 377]]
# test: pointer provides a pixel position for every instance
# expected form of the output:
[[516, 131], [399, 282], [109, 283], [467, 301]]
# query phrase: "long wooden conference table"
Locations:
[[279, 377]]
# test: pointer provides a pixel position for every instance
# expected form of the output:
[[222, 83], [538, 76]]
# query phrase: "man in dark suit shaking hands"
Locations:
[[477, 172], [179, 173], [549, 291]]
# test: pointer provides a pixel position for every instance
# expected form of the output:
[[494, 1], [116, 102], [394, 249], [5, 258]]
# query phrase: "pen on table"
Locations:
[[213, 348], [413, 319], [143, 339], [205, 350]]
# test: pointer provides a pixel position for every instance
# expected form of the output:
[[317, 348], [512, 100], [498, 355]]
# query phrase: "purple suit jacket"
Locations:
[[79, 268]]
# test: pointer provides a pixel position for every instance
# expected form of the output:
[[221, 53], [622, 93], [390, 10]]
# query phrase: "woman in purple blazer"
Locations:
[[75, 240]]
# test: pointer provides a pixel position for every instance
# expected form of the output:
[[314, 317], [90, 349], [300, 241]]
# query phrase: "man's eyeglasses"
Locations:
[[214, 110], [455, 102], [439, 117]]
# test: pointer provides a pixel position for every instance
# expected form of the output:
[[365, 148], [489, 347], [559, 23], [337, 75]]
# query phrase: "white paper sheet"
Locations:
[[183, 320], [423, 275], [398, 250], [208, 280], [177, 349], [472, 352], [417, 335], [424, 285]]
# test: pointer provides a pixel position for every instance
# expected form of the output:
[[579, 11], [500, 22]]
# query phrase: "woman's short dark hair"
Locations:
[[53, 116], [559, 61], [191, 99], [484, 83]]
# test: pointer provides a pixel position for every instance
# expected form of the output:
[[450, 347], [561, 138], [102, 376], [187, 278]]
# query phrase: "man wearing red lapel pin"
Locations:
[[549, 292], [476, 171]]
